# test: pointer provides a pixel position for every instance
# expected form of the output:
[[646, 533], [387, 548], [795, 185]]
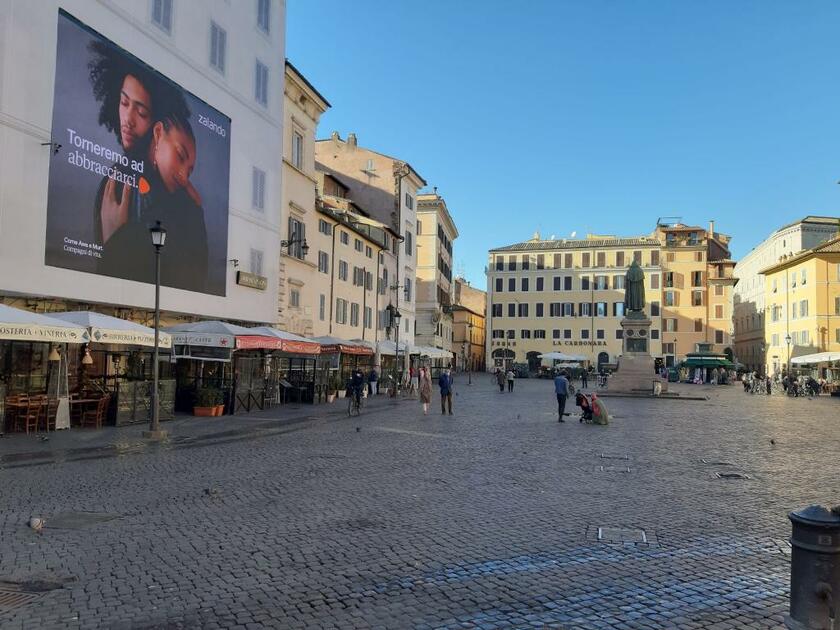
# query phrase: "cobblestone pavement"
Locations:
[[498, 517]]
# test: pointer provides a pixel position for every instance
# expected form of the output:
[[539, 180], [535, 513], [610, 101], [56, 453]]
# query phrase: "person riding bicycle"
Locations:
[[357, 381]]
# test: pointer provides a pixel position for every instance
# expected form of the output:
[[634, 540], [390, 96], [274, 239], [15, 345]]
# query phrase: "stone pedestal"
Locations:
[[635, 370]]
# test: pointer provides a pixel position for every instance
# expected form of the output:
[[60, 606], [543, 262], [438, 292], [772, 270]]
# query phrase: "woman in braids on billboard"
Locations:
[[152, 125]]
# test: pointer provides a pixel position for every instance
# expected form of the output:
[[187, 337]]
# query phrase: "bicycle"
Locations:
[[354, 404]]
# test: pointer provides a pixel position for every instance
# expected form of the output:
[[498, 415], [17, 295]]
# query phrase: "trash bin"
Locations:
[[814, 568]]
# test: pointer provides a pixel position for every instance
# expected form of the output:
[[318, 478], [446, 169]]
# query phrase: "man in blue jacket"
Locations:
[[445, 383], [561, 388]]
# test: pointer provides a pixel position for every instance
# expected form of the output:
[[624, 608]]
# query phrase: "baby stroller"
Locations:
[[583, 401], [592, 409]]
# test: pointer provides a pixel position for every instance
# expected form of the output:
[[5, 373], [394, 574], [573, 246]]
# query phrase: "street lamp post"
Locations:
[[788, 340], [395, 319], [158, 234], [469, 367]]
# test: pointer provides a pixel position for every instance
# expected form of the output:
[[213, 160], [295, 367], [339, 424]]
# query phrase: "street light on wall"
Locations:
[[304, 246], [158, 234]]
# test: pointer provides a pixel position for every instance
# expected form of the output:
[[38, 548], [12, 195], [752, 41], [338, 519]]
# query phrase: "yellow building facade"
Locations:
[[436, 234], [468, 321], [567, 295], [697, 286], [802, 298]]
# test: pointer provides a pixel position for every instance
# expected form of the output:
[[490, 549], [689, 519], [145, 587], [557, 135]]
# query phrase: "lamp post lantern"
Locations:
[[787, 341], [158, 234]]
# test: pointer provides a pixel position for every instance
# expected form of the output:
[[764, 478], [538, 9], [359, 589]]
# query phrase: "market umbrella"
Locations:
[[19, 325], [107, 329]]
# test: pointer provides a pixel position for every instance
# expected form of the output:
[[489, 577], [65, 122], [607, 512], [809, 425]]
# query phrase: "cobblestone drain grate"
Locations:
[[621, 535], [16, 594], [715, 462], [721, 475], [11, 599], [614, 456], [78, 520], [613, 469]]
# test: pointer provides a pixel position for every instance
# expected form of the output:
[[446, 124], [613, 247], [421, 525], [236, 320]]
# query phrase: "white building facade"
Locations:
[[226, 60], [749, 315], [386, 187]]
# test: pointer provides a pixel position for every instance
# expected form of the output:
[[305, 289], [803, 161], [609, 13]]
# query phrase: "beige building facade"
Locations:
[[802, 294], [356, 263], [566, 295], [468, 321], [749, 306], [300, 282], [436, 234], [336, 263], [697, 285], [386, 188]]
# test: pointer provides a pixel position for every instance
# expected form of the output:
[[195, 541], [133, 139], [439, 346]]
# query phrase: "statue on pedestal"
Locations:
[[634, 292]]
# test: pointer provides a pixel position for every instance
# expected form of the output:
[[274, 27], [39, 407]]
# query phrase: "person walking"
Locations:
[[561, 389], [510, 378], [445, 384], [425, 390], [584, 380], [373, 382], [500, 379]]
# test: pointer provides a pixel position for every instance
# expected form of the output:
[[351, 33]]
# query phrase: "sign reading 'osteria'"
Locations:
[[251, 280]]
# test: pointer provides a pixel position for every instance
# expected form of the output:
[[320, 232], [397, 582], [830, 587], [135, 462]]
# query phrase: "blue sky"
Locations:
[[592, 115]]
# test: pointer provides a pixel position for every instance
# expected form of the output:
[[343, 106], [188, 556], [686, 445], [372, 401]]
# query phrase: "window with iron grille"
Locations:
[[297, 233]]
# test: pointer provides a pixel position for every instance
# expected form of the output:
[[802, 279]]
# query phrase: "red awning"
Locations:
[[263, 342], [347, 349]]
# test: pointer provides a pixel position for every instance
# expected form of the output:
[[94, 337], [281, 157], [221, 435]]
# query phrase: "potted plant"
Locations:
[[220, 403], [334, 388], [205, 401]]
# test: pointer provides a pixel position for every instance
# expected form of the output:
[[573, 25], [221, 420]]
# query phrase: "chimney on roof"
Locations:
[[351, 140], [335, 137], [712, 228]]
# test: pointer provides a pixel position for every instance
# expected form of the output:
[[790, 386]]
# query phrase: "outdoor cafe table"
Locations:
[[13, 407]]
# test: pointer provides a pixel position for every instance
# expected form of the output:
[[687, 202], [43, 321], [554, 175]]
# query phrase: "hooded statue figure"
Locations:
[[634, 290]]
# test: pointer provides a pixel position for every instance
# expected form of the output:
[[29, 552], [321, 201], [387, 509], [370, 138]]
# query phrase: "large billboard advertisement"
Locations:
[[135, 148]]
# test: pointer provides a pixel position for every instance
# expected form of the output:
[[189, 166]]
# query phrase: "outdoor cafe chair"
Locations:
[[96, 415], [48, 413]]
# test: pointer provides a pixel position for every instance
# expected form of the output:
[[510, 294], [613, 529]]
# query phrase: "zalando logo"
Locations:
[[211, 125]]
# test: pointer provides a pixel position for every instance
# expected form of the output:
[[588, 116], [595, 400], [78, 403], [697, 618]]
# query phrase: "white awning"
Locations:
[[819, 357], [562, 356], [19, 325], [213, 334], [107, 329], [390, 348], [431, 352]]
